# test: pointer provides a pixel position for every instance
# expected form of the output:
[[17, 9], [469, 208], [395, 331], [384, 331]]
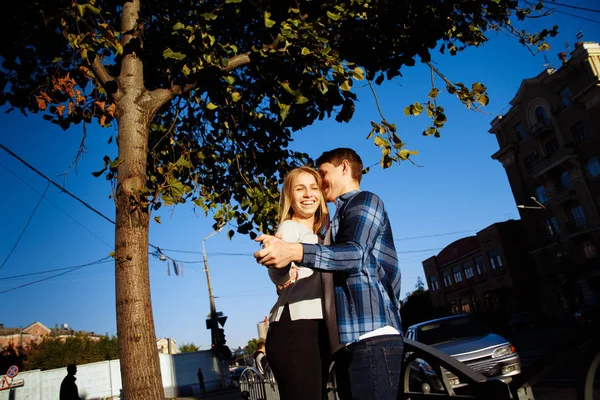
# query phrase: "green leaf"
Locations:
[[301, 99], [305, 51], [178, 26], [168, 53], [236, 96], [229, 79], [358, 74], [478, 87], [483, 100], [346, 85], [211, 106], [404, 154], [433, 93], [268, 22], [380, 142], [333, 16], [176, 187], [230, 233], [112, 254], [157, 219], [209, 16], [183, 162], [284, 110]]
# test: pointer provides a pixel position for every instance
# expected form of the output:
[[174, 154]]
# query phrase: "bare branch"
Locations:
[[376, 100], [237, 61], [100, 71]]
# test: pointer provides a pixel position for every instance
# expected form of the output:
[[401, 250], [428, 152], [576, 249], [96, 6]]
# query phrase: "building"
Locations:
[[488, 272], [23, 337], [167, 346], [550, 148]]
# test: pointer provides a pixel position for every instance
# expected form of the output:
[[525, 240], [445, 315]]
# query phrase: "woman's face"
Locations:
[[306, 195]]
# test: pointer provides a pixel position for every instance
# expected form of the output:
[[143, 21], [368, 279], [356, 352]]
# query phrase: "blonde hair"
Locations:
[[321, 221]]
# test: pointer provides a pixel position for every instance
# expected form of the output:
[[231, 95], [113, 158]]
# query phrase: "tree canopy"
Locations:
[[230, 80], [188, 348]]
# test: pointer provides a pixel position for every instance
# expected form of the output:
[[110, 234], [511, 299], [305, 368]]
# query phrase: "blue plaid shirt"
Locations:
[[363, 257]]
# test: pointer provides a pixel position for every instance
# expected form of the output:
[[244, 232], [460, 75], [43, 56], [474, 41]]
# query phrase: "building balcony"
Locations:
[[541, 128], [546, 164], [561, 193], [579, 226]]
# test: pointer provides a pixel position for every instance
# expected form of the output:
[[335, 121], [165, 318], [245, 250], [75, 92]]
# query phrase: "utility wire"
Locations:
[[25, 228], [554, 3], [57, 275], [434, 235], [48, 271], [62, 188], [56, 206]]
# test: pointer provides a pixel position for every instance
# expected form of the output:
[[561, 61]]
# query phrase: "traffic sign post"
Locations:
[[4, 384], [12, 371]]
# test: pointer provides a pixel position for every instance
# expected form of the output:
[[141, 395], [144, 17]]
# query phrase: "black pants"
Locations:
[[298, 354]]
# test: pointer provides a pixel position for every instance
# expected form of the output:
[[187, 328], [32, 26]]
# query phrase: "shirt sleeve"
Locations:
[[359, 226], [290, 233]]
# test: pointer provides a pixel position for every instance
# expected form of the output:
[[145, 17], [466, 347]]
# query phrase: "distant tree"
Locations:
[[417, 307], [55, 352], [251, 346], [420, 285], [188, 348], [12, 356]]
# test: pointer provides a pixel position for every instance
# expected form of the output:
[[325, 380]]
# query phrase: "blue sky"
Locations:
[[458, 188]]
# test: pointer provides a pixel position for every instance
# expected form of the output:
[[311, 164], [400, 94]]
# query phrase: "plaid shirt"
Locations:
[[367, 278]]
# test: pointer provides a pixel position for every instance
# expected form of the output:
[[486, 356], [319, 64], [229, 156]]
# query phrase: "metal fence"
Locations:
[[256, 386]]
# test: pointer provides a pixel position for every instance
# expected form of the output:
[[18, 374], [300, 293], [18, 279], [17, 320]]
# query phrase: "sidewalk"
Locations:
[[226, 394]]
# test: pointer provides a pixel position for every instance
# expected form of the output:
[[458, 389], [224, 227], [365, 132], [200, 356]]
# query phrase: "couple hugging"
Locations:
[[338, 285]]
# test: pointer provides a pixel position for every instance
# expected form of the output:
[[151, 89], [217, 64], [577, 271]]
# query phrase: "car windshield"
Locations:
[[450, 329]]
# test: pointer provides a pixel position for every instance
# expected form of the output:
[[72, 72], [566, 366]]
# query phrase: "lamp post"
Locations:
[[213, 310]]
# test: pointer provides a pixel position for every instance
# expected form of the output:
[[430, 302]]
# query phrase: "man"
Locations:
[[260, 359], [68, 387], [201, 381], [366, 279]]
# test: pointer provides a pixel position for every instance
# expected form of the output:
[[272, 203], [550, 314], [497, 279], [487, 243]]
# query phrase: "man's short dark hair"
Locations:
[[260, 344], [337, 156]]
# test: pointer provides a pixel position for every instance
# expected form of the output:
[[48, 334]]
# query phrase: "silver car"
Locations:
[[470, 342]]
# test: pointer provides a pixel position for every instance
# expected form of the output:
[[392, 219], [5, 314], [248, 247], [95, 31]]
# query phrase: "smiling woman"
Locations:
[[297, 341]]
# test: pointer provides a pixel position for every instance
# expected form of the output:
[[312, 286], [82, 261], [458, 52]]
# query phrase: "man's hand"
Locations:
[[277, 253]]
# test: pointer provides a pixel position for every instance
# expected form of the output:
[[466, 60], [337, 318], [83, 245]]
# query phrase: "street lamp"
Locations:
[[213, 310]]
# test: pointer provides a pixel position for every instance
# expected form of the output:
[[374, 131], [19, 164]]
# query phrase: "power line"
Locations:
[[54, 276], [577, 16], [25, 228], [56, 184], [575, 7], [47, 271], [434, 235], [55, 205]]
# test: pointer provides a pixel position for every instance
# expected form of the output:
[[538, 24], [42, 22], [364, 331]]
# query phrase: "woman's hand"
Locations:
[[293, 277]]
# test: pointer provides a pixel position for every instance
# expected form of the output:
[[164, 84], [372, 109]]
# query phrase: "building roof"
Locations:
[[457, 249]]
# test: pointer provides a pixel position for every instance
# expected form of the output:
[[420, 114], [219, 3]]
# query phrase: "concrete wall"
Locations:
[[102, 380]]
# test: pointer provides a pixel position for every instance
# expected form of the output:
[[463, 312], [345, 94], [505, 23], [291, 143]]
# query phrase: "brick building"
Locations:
[[488, 272], [550, 148]]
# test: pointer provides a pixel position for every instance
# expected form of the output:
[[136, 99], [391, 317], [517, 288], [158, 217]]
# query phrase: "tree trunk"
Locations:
[[140, 368]]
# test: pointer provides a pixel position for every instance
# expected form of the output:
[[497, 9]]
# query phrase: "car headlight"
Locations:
[[504, 351]]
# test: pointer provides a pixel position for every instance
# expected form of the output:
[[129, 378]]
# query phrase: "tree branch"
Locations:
[[100, 71]]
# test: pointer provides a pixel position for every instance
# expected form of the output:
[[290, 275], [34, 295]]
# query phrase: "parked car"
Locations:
[[468, 340], [236, 373]]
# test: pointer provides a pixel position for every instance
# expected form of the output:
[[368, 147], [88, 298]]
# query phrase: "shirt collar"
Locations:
[[345, 197]]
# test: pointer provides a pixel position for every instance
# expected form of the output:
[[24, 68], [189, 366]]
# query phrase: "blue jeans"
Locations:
[[370, 369]]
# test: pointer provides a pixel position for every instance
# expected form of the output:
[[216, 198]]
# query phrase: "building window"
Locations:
[[475, 303], [446, 278], [495, 260], [457, 274], [578, 216], [465, 306], [519, 132], [589, 250], [565, 96], [433, 283], [541, 195], [579, 133], [454, 307], [541, 116], [551, 226], [565, 180], [468, 267], [480, 265], [492, 301], [530, 161], [551, 147], [593, 166]]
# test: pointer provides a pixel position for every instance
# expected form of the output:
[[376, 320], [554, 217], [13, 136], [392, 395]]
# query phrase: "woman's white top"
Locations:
[[303, 295]]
